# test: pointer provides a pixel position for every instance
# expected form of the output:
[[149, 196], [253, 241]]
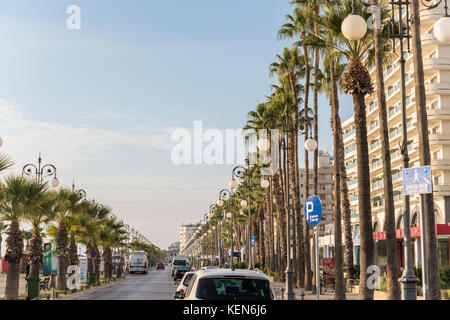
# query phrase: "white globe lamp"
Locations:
[[263, 144], [244, 203], [220, 203], [442, 29], [265, 183], [233, 184], [55, 182], [311, 145], [229, 215], [354, 27]]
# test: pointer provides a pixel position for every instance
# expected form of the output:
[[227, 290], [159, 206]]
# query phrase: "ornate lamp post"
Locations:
[[81, 192], [41, 172]]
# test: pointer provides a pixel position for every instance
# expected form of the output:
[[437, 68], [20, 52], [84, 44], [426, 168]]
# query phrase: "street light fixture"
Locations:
[[41, 172], [265, 183]]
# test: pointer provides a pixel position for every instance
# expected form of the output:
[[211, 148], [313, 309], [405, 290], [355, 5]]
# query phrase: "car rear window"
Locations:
[[233, 289], [187, 279]]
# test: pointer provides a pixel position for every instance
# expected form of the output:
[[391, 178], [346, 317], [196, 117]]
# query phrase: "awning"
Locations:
[[441, 229]]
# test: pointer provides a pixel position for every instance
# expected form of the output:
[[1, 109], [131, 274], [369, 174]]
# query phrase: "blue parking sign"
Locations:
[[252, 240], [313, 211]]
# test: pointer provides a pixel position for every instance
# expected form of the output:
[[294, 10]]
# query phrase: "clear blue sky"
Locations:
[[100, 102]]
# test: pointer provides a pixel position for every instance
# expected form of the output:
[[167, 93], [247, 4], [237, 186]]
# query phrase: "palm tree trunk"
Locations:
[[61, 252], [36, 254], [316, 136], [262, 256], [279, 198], [107, 264], [306, 241], [73, 254], [393, 286], [346, 210], [365, 210], [339, 293], [425, 157], [14, 252]]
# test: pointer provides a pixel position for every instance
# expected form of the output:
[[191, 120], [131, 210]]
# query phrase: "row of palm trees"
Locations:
[[68, 218], [321, 59]]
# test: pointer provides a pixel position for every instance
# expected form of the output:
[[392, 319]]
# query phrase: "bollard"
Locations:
[[282, 293], [302, 295]]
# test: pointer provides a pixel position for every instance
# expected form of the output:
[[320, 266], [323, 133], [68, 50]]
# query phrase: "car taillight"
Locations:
[[182, 291]]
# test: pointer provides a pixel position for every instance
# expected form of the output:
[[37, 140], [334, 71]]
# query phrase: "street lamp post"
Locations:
[[81, 192], [226, 194], [40, 172], [264, 145], [238, 172]]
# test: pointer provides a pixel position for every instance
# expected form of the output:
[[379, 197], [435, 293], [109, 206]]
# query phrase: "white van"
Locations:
[[138, 262]]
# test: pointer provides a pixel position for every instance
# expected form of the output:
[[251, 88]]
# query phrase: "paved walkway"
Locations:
[[22, 285], [329, 294]]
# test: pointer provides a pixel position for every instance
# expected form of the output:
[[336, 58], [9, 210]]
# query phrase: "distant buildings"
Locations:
[[173, 250], [186, 232]]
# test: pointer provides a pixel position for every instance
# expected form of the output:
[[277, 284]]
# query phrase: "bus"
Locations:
[[138, 262]]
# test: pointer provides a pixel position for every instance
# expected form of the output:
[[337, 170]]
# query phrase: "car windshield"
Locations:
[[187, 279], [182, 268], [233, 289]]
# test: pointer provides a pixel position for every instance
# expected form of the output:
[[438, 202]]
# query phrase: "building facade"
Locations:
[[186, 232], [436, 57]]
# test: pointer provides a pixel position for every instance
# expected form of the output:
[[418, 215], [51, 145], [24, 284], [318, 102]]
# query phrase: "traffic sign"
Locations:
[[229, 252], [313, 210], [417, 181], [244, 249], [252, 240], [93, 253]]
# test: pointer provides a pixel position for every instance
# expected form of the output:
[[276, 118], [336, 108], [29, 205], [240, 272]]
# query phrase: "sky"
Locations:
[[101, 102]]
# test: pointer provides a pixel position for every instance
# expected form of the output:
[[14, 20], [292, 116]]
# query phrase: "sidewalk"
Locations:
[[329, 294], [22, 285]]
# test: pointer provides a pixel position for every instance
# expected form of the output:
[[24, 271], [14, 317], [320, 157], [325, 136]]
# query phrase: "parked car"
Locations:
[[159, 266], [226, 284], [184, 282], [179, 272]]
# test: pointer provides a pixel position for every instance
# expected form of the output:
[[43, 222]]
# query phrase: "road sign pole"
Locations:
[[317, 263], [424, 249]]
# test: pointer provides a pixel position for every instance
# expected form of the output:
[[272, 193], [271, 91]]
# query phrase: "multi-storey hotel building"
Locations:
[[436, 57]]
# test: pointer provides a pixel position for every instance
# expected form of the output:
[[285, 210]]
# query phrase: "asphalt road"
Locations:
[[156, 285]]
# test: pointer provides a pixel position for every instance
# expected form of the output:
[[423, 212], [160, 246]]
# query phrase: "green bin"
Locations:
[[33, 288]]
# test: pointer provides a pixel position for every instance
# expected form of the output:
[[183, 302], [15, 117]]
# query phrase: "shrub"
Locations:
[[240, 265], [356, 271], [257, 265], [418, 274], [445, 278]]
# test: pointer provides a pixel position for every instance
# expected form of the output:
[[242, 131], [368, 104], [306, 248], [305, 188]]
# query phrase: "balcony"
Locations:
[[429, 39], [348, 134], [439, 139], [436, 64], [438, 114], [441, 189], [440, 164], [437, 89], [351, 166]]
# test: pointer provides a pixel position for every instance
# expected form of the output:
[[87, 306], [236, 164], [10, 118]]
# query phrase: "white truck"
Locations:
[[138, 262]]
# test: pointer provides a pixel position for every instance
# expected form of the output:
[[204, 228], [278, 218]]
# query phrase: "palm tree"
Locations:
[[35, 212], [69, 203], [289, 68], [356, 81], [12, 202], [424, 155]]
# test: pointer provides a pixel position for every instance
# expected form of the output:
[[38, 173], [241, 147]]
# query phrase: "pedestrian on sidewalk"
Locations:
[[27, 270]]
